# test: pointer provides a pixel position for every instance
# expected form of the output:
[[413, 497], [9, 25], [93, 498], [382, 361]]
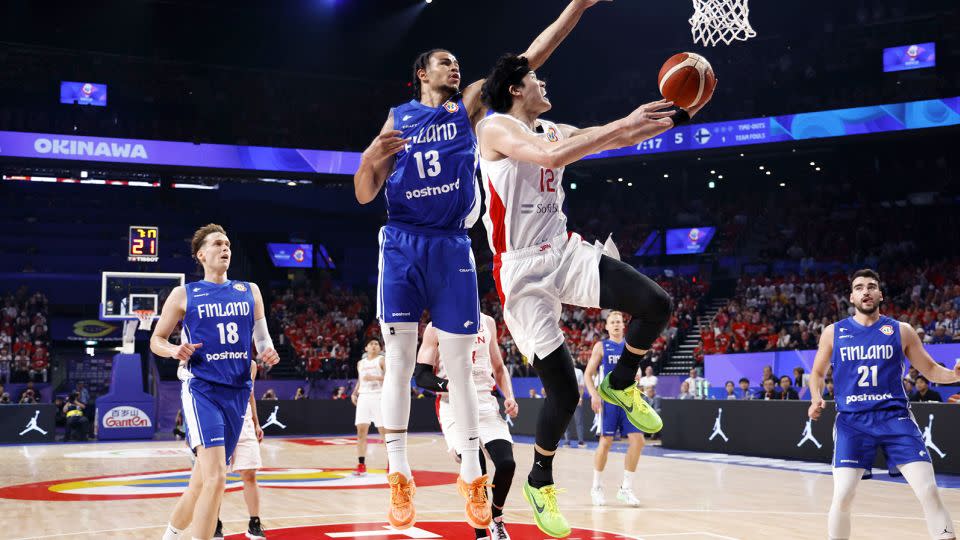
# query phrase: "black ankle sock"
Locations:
[[480, 533], [362, 459], [541, 474], [625, 372], [254, 519]]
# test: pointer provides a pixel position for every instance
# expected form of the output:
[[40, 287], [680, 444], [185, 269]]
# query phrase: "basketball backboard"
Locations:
[[123, 293]]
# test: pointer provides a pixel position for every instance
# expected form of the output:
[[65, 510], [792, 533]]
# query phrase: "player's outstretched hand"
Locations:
[[595, 403], [816, 407], [385, 145], [268, 356], [511, 408], [185, 351], [649, 120]]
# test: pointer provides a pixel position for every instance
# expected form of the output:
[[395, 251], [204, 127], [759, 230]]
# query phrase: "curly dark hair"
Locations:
[[421, 63], [509, 71]]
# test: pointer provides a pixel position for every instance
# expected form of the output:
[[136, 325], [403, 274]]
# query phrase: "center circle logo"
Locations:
[[423, 529], [151, 485]]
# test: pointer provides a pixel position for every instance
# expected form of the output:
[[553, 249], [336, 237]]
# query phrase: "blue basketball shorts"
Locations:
[[615, 419], [213, 414], [420, 270], [858, 436]]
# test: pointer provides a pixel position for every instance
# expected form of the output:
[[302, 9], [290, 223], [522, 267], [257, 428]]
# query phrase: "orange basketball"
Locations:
[[686, 79]]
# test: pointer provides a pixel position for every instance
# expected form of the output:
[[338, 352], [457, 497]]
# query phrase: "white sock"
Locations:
[[172, 533], [397, 453], [627, 479], [456, 352], [597, 481]]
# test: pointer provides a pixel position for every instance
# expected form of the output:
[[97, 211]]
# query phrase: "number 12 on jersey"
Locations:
[[546, 181]]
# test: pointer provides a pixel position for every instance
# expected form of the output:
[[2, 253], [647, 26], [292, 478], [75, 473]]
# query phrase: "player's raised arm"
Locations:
[[376, 162], [819, 371], [428, 358], [921, 359], [590, 372], [172, 313], [500, 374], [261, 334], [537, 53], [503, 137]]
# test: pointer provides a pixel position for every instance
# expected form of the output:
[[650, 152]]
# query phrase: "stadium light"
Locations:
[[573, 185], [665, 175], [711, 184], [783, 184], [768, 173], [629, 184], [713, 171], [720, 177], [761, 167], [619, 179]]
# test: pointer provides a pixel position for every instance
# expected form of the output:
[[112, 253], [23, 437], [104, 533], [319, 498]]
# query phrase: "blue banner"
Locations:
[[792, 127], [797, 127]]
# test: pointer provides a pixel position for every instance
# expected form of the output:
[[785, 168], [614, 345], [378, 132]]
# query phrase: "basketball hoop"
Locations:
[[720, 20], [145, 316]]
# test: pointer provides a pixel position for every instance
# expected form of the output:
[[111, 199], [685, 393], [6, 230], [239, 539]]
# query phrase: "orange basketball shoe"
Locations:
[[402, 514], [478, 506]]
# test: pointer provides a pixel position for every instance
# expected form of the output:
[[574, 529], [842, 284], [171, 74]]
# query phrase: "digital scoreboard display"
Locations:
[[689, 241], [291, 255], [83, 93], [906, 57], [144, 245]]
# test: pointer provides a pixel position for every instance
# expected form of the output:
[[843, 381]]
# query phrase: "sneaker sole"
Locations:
[[255, 537], [536, 515], [656, 422]]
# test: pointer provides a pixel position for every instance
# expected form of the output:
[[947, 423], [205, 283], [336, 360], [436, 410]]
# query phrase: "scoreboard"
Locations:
[[144, 244]]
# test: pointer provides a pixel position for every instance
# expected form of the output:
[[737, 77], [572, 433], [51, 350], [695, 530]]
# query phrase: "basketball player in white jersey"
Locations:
[[538, 265], [426, 261], [488, 371], [366, 397]]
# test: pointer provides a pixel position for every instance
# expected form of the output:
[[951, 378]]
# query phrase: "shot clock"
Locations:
[[144, 245]]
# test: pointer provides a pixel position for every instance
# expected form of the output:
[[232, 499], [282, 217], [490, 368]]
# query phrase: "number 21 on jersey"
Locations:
[[868, 375]]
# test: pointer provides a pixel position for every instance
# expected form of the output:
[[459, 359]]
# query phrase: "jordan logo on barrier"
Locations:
[[808, 435], [928, 438], [717, 430], [272, 419], [32, 425]]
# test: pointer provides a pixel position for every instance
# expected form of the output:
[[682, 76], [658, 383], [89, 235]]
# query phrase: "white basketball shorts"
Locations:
[[368, 409], [247, 454], [534, 282], [492, 425]]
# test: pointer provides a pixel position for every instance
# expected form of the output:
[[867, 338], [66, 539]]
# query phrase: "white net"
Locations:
[[720, 20], [145, 316]]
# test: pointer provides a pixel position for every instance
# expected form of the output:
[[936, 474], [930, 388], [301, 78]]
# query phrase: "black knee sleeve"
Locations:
[[625, 289], [501, 453], [560, 383]]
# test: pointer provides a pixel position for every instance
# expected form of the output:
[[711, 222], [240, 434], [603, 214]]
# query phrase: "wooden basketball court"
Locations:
[[53, 491]]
